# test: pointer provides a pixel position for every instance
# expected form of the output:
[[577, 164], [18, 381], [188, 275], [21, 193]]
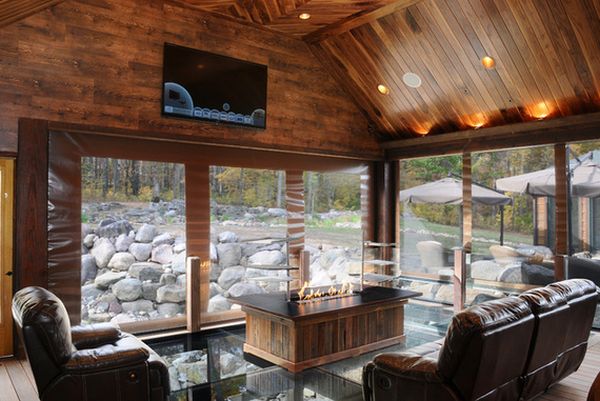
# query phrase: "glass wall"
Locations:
[[333, 224], [248, 234], [430, 224], [510, 246], [133, 264]]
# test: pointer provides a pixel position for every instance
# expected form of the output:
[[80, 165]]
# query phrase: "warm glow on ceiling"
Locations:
[[477, 120], [422, 129], [384, 90], [304, 16], [540, 110], [488, 62]]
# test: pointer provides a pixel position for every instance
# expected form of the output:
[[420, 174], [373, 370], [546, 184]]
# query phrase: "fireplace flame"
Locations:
[[304, 295]]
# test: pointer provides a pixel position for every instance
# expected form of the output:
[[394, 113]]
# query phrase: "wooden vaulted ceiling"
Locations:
[[14, 10]]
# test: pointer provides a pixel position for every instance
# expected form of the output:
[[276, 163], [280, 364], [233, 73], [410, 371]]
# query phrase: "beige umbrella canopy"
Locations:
[[448, 191], [585, 181]]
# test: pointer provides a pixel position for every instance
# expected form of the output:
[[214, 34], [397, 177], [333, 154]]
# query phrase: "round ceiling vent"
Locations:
[[411, 79]]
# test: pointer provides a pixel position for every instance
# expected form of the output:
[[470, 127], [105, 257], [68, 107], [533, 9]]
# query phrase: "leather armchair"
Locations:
[[84, 363]]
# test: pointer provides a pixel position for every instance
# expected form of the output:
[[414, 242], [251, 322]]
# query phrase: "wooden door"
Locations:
[[6, 255]]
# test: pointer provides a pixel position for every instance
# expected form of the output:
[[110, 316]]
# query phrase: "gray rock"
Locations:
[[128, 289], [163, 254], [168, 278], [121, 261], [215, 272], [107, 279], [90, 291], [88, 268], [328, 257], [146, 271], [146, 233], [89, 239], [141, 252], [149, 290], [229, 254], [179, 263], [85, 230], [230, 276], [114, 229], [277, 212], [214, 255], [215, 289], [169, 309], [267, 258], [123, 242], [163, 239], [178, 248], [140, 306], [228, 236], [170, 293], [103, 250], [218, 303], [240, 289], [182, 280], [249, 249]]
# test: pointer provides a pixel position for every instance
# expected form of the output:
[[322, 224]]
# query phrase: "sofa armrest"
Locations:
[[409, 366], [106, 357], [94, 335]]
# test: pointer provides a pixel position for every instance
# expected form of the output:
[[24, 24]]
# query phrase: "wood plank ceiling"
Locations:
[[546, 53], [14, 10]]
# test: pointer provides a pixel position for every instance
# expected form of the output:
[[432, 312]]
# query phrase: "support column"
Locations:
[[294, 196], [561, 210]]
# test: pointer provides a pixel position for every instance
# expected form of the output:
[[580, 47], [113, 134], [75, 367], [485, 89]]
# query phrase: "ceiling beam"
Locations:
[[13, 11], [579, 127], [356, 20]]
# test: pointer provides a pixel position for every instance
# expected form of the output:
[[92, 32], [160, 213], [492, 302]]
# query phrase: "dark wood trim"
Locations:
[[31, 233], [561, 208], [356, 20], [567, 129]]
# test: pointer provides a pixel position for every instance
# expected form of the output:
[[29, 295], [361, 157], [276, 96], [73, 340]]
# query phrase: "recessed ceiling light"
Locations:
[[540, 111], [384, 90], [488, 62], [477, 120], [304, 16], [411, 79], [422, 129]]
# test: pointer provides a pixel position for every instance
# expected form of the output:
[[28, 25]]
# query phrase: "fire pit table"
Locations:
[[298, 335]]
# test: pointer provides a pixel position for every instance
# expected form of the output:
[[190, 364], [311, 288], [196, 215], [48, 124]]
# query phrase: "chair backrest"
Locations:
[[431, 253], [43, 324], [486, 349]]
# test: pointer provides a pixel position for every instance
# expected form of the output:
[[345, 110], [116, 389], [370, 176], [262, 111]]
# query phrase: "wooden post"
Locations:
[[467, 205], [294, 195], [304, 267], [196, 298], [561, 209], [459, 280]]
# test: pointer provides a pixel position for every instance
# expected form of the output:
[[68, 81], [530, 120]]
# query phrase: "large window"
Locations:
[[133, 264]]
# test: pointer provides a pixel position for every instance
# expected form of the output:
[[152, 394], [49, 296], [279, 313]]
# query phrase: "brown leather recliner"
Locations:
[[84, 363], [507, 350]]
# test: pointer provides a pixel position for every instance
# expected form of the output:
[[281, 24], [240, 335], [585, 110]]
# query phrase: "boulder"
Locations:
[[146, 233], [121, 261], [149, 290], [105, 280], [89, 239], [178, 248], [215, 271], [163, 239], [511, 274], [114, 229], [169, 309], [267, 258], [218, 303], [276, 212], [536, 274], [178, 265], [122, 318], [163, 254], [146, 271], [90, 291], [170, 293], [338, 270], [485, 270], [168, 278], [128, 289], [182, 280], [88, 268], [228, 236], [141, 306], [141, 252], [240, 289], [319, 276], [230, 276], [215, 289], [328, 257], [214, 256], [229, 254], [103, 251], [123, 242]]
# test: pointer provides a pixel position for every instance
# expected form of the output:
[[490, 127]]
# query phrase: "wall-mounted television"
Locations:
[[207, 86]]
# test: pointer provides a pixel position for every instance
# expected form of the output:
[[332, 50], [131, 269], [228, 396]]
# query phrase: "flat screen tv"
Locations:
[[207, 86]]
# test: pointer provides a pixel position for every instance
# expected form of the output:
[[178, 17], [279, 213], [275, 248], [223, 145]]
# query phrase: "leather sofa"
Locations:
[[84, 363], [507, 350]]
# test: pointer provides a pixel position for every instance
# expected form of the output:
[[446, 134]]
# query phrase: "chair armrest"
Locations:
[[93, 335], [105, 357], [409, 366]]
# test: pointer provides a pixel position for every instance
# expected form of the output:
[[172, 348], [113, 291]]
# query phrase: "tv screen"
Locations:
[[207, 86]]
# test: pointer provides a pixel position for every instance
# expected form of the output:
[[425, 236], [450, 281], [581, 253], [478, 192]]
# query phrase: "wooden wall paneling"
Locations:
[[101, 64], [7, 184], [31, 198], [11, 11], [368, 202], [541, 220], [561, 210]]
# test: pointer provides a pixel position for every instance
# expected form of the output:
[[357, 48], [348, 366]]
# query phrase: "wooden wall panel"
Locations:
[[11, 11], [100, 63]]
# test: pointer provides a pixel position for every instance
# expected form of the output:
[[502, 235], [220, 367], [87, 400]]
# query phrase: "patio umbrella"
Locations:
[[448, 191]]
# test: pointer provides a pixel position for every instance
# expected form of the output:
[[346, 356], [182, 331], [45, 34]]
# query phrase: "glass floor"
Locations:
[[214, 367]]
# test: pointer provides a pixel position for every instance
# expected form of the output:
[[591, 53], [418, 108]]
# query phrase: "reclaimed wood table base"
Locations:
[[300, 336]]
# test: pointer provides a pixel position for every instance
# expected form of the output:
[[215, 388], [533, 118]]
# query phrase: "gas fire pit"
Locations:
[[303, 333]]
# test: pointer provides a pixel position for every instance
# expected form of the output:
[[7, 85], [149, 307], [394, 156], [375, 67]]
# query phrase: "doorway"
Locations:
[[6, 255]]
